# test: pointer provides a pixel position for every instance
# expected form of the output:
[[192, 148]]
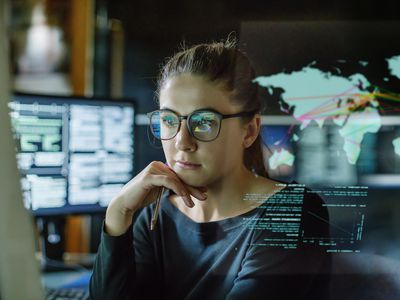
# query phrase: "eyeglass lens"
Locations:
[[203, 125]]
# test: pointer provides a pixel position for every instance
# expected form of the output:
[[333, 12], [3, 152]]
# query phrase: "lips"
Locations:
[[187, 164]]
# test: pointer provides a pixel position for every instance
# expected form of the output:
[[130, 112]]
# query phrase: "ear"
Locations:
[[252, 131]]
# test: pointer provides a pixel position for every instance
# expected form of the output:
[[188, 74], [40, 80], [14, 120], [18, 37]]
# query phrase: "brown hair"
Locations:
[[222, 63]]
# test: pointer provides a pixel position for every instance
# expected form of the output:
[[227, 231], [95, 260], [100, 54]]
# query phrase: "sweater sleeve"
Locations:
[[276, 273], [124, 266]]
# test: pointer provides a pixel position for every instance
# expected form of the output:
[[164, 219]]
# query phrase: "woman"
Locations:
[[215, 238]]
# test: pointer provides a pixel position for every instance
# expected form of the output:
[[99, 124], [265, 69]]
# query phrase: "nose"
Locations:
[[183, 140]]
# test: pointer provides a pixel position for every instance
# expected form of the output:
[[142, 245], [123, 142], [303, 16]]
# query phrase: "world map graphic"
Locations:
[[351, 102]]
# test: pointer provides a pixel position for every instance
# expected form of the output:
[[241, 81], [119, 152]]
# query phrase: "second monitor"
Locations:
[[74, 153]]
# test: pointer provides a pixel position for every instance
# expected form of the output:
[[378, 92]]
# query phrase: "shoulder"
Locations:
[[294, 210], [314, 212], [315, 215]]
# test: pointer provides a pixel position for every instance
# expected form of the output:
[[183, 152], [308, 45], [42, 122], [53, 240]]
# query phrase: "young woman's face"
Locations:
[[215, 160]]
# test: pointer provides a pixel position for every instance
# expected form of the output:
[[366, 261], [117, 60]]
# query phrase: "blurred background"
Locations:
[[84, 76]]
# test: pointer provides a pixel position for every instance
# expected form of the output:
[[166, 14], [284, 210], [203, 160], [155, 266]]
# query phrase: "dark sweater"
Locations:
[[260, 254]]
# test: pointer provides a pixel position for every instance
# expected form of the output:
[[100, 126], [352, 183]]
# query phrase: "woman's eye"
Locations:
[[204, 125], [168, 121]]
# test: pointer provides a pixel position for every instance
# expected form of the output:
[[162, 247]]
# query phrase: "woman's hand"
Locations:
[[141, 191]]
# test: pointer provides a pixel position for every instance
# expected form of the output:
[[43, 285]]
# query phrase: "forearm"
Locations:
[[114, 269]]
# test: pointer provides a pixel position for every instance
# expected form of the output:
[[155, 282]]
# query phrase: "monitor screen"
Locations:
[[74, 153]]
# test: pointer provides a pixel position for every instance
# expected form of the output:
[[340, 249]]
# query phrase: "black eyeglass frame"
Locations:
[[187, 118]]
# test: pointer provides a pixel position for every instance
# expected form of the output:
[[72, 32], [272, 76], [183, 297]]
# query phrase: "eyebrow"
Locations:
[[202, 108]]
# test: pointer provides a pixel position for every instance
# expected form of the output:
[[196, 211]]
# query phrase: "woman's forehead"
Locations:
[[186, 93]]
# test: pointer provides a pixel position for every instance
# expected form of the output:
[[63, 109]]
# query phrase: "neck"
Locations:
[[224, 197]]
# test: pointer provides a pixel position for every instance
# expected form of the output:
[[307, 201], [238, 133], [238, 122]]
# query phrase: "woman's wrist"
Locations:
[[118, 218]]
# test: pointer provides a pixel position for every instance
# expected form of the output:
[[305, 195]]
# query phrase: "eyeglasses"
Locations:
[[203, 124]]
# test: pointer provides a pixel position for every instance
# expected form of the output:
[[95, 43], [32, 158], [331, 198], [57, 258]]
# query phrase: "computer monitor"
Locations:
[[74, 153]]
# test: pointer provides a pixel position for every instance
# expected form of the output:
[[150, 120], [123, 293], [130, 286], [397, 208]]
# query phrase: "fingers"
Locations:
[[173, 184], [197, 192], [202, 189], [172, 181]]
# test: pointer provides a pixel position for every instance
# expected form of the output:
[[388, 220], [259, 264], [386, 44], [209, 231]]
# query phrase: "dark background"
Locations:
[[154, 30]]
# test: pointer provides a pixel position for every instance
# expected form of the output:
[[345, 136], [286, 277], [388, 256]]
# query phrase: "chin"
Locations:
[[195, 180], [190, 179]]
